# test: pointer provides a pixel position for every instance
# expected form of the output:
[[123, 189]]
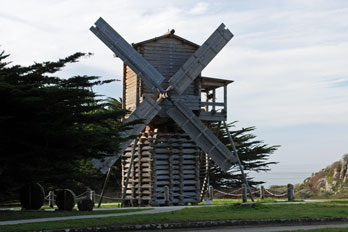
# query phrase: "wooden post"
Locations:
[[225, 98], [181, 178], [211, 192], [262, 192], [205, 185], [128, 174], [166, 195], [140, 174], [239, 163], [51, 199], [214, 101], [197, 196], [90, 194], [104, 186], [170, 175], [290, 192], [244, 193], [206, 102]]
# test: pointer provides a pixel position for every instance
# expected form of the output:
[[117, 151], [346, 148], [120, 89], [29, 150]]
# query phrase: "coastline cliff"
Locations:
[[331, 181]]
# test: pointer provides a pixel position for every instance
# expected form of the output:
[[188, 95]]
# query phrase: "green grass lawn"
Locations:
[[226, 201], [105, 205], [228, 212]]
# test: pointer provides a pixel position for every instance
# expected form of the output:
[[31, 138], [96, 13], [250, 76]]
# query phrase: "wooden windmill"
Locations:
[[163, 85]]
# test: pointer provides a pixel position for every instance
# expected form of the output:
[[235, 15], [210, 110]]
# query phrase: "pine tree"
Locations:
[[52, 127], [253, 153]]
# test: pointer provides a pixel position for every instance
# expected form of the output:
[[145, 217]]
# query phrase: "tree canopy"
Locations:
[[253, 153], [51, 127]]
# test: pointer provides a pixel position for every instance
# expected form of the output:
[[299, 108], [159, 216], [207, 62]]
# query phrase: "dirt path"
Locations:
[[151, 211]]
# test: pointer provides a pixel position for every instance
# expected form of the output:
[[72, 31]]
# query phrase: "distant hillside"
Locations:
[[331, 181]]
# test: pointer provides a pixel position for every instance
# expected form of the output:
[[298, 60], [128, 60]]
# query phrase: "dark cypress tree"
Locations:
[[253, 153], [52, 127]]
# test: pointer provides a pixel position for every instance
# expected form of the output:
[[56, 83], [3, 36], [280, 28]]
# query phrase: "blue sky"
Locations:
[[288, 59]]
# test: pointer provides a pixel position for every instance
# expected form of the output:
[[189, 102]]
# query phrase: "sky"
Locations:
[[288, 60]]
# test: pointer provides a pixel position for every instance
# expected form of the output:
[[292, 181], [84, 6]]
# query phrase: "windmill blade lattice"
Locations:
[[131, 57], [202, 135], [200, 59], [184, 117], [147, 110]]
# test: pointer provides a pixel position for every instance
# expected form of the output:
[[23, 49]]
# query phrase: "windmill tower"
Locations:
[[162, 83]]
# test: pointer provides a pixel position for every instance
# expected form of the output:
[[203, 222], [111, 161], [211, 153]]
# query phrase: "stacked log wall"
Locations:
[[162, 160]]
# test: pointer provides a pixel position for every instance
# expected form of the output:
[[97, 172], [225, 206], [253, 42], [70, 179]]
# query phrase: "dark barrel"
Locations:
[[32, 196], [65, 199], [85, 205]]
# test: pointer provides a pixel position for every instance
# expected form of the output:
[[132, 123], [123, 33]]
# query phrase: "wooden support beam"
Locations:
[[225, 98], [214, 101], [128, 174], [104, 186], [238, 162]]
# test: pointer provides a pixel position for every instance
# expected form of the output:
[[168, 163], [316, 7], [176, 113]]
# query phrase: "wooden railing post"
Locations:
[[211, 192], [51, 199], [262, 192], [90, 194], [290, 192], [244, 193]]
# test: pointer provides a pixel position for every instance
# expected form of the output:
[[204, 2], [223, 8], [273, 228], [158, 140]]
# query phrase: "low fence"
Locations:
[[261, 193], [240, 193], [88, 194]]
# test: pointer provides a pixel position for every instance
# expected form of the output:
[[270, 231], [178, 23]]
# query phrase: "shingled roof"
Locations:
[[169, 34]]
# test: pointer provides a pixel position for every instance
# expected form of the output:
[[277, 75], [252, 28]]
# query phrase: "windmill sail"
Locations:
[[200, 59], [147, 110], [129, 55], [202, 135]]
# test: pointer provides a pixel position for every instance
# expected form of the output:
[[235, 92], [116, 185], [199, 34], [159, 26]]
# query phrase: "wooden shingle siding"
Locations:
[[167, 55]]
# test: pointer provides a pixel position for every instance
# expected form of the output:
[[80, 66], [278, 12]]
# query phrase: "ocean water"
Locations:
[[280, 178]]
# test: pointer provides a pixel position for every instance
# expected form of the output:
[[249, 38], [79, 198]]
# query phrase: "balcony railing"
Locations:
[[211, 110]]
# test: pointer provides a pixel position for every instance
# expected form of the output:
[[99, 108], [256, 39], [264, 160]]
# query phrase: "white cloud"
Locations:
[[288, 59], [199, 8]]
